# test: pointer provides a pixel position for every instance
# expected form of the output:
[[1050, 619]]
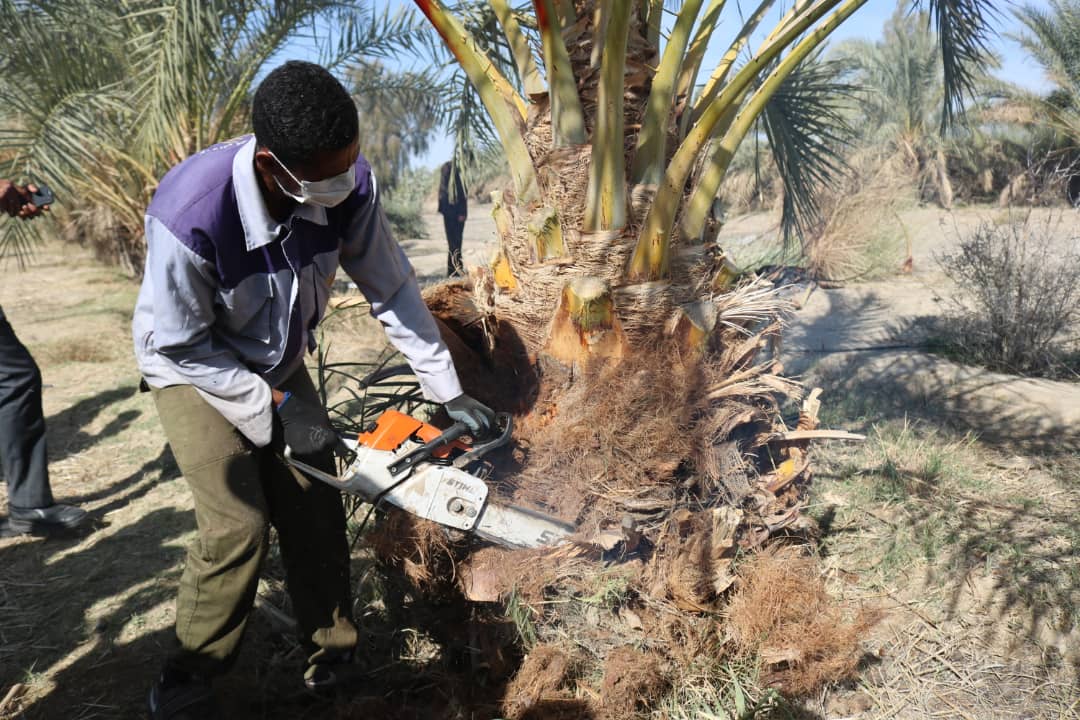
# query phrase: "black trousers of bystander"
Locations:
[[22, 424]]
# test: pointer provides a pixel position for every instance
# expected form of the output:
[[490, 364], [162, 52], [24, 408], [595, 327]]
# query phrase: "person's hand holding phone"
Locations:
[[24, 202]]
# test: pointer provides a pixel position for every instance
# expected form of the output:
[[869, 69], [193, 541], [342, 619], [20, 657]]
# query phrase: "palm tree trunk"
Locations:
[[944, 184]]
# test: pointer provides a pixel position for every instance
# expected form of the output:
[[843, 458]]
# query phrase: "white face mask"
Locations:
[[325, 193]]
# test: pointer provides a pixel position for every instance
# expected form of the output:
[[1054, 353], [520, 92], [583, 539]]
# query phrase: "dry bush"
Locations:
[[1016, 300], [747, 191], [860, 235], [110, 234], [782, 613]]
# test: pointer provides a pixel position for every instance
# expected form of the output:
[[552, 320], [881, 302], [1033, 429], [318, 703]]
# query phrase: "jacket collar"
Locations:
[[259, 228]]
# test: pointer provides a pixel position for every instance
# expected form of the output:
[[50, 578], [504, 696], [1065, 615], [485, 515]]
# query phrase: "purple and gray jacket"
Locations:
[[230, 298]]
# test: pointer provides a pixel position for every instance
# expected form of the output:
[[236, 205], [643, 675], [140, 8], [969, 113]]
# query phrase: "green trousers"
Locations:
[[239, 492]]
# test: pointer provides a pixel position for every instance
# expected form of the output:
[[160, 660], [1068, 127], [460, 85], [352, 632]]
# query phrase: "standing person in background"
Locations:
[[454, 208], [23, 457]]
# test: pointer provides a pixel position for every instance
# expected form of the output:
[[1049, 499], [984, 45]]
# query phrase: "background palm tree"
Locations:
[[900, 89], [400, 111], [1053, 40], [98, 97], [901, 84]]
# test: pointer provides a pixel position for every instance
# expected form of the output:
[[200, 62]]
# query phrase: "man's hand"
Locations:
[[15, 200], [306, 426], [479, 418]]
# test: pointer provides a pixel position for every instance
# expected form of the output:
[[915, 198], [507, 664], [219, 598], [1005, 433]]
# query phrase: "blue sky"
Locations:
[[866, 23]]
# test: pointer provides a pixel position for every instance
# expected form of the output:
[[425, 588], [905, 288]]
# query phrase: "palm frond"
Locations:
[[462, 113], [808, 131], [1052, 38], [18, 241], [137, 85], [964, 33]]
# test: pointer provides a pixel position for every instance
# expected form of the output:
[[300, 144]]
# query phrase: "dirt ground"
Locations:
[[970, 548]]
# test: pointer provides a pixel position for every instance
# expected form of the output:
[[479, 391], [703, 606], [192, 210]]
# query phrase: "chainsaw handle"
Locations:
[[423, 452], [507, 423], [312, 470]]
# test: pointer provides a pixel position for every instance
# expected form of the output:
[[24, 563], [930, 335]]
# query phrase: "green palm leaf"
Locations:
[[807, 129], [133, 86], [964, 33]]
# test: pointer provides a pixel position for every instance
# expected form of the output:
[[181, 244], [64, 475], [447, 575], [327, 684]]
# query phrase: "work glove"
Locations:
[[306, 426], [479, 418]]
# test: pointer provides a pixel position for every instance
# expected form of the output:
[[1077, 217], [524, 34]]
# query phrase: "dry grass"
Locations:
[[973, 553], [88, 349], [861, 235], [932, 670]]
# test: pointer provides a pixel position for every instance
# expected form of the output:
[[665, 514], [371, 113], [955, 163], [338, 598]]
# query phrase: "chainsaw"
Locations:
[[436, 475]]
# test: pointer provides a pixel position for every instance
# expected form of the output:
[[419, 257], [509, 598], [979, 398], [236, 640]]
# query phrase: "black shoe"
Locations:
[[42, 521], [330, 671], [178, 695]]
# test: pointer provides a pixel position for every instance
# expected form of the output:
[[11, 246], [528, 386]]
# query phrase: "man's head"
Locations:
[[306, 127]]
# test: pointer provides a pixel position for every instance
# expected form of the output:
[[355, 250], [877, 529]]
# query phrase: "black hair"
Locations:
[[300, 110]]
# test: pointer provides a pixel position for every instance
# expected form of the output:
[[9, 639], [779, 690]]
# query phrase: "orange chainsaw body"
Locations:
[[393, 428]]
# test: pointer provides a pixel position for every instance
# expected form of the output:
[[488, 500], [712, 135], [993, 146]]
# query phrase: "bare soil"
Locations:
[[977, 590]]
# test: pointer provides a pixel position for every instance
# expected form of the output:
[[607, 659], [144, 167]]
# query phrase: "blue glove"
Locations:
[[479, 418]]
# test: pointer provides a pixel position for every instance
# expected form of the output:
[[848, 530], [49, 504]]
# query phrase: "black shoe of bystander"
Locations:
[[42, 521]]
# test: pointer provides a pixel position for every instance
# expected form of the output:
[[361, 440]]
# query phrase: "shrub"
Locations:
[[406, 221], [404, 204], [1016, 298]]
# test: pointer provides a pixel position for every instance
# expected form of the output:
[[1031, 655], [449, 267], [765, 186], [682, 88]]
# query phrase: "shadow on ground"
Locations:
[[1017, 414], [66, 429], [75, 614], [1010, 552], [419, 657]]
